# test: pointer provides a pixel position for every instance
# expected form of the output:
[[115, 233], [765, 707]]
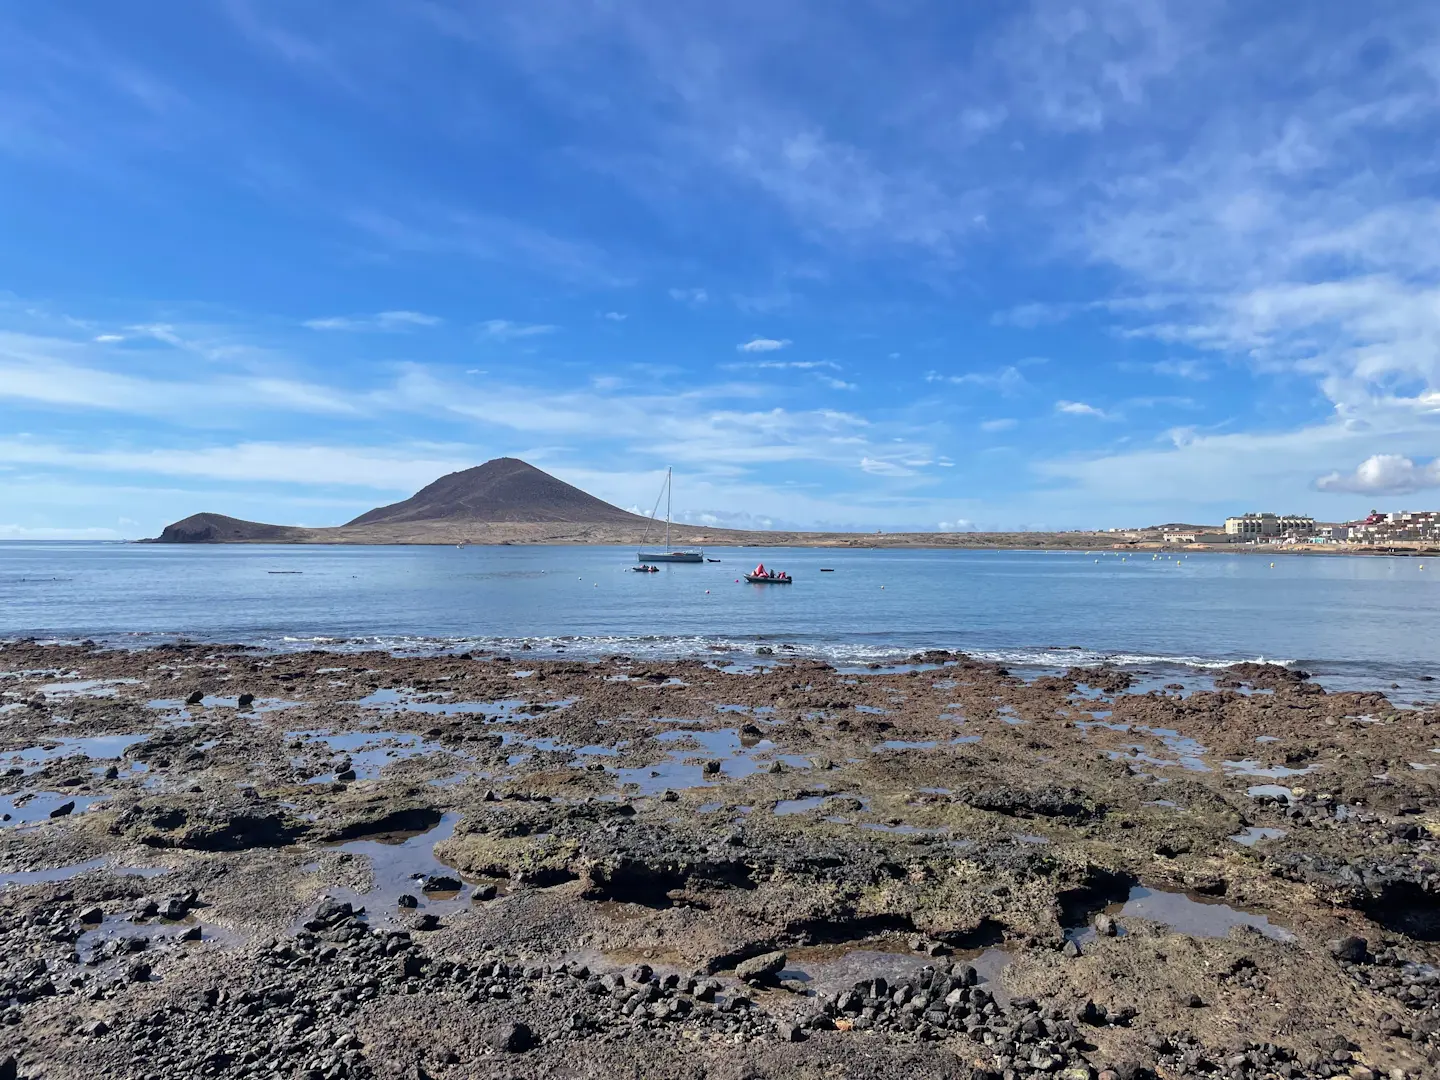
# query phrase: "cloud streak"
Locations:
[[761, 345], [389, 321], [505, 330]]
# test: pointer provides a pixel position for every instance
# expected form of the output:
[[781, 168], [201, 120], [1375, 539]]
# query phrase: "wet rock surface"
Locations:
[[221, 862]]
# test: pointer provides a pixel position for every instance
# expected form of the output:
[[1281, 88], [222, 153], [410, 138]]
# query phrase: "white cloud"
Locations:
[[690, 296], [404, 468], [1181, 369], [777, 365], [615, 316], [1030, 315], [1006, 380], [836, 384], [1003, 423], [505, 330], [384, 321], [958, 525], [763, 345], [1079, 408], [109, 339], [1384, 474], [56, 373], [882, 467]]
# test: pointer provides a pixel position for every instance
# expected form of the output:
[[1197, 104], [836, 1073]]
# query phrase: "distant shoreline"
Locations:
[[530, 536]]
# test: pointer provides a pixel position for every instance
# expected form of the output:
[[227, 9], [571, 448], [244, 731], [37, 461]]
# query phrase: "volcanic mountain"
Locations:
[[506, 489], [502, 500], [507, 501]]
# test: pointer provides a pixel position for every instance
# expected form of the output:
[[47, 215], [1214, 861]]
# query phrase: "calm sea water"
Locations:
[[1358, 621]]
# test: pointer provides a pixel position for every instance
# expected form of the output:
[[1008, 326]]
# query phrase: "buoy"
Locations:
[[707, 592], [882, 586], [1272, 566]]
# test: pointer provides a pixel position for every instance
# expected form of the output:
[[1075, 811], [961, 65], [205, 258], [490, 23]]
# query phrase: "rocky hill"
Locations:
[[219, 529], [503, 490]]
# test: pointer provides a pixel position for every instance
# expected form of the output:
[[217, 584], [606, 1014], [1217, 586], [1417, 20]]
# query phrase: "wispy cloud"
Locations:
[[1079, 408], [779, 365], [760, 344], [615, 316], [505, 330], [1003, 423], [56, 373], [690, 296], [384, 320], [1181, 369], [837, 384], [1007, 380], [883, 467]]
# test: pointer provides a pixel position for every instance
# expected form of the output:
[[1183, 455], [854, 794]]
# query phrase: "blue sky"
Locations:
[[905, 265]]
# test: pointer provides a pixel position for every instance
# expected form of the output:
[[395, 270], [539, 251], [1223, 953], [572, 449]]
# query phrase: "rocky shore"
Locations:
[[221, 862]]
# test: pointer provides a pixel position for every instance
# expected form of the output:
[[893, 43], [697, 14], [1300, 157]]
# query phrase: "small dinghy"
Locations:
[[645, 569], [761, 576]]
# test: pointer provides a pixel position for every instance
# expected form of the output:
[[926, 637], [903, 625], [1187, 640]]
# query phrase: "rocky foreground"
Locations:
[[218, 862]]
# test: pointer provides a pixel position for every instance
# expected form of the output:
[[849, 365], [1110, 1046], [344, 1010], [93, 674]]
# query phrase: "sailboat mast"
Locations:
[[668, 473]]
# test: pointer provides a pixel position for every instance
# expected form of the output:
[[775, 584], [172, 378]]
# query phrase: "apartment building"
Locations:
[[1267, 525]]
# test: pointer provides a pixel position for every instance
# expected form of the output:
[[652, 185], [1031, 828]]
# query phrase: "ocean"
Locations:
[[1355, 622]]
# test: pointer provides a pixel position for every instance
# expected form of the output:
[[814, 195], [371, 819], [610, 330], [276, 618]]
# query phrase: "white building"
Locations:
[[1262, 526]]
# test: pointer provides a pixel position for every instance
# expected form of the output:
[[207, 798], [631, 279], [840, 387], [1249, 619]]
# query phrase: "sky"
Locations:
[[901, 264]]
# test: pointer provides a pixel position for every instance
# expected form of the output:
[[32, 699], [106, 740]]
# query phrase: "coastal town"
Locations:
[[1403, 531]]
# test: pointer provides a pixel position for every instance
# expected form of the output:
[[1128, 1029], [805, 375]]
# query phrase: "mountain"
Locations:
[[502, 500], [503, 490]]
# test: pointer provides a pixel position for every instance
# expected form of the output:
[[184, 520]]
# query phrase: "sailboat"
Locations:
[[667, 555]]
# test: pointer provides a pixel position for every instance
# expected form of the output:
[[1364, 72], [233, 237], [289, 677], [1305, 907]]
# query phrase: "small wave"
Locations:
[[676, 647]]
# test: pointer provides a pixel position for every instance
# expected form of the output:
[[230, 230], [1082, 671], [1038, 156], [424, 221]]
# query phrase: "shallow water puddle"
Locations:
[[1188, 751], [1254, 768], [902, 744], [505, 709], [74, 870], [736, 760], [180, 708], [400, 864], [120, 936], [1184, 913], [30, 808], [1253, 834], [97, 688], [96, 748], [369, 751], [1272, 791], [833, 969]]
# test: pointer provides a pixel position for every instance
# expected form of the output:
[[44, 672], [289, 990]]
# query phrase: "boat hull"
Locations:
[[670, 556], [756, 579]]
